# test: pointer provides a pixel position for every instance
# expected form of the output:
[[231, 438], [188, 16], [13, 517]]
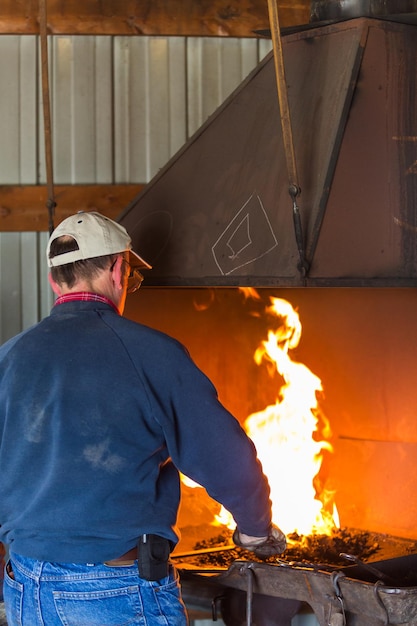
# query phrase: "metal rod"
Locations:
[[181, 555], [370, 568], [51, 204], [294, 188], [282, 92], [249, 596]]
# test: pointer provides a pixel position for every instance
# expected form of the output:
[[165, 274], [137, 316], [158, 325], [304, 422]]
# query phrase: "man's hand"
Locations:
[[274, 543]]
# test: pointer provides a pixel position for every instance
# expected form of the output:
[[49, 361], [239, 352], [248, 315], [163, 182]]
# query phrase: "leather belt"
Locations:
[[126, 559]]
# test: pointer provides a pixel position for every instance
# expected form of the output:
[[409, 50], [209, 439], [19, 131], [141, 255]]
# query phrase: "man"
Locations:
[[98, 414]]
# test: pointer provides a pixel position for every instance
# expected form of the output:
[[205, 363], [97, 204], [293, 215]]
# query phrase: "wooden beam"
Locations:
[[23, 208], [199, 18]]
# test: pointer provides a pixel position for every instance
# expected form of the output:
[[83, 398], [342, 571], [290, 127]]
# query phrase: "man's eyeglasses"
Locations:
[[134, 277]]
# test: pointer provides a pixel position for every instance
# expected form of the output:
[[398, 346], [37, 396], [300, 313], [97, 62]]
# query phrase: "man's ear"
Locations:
[[55, 287], [118, 273]]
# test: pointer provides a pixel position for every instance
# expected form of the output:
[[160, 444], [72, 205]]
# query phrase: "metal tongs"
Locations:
[[370, 568]]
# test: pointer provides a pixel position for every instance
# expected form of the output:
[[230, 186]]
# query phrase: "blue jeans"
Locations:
[[38, 593]]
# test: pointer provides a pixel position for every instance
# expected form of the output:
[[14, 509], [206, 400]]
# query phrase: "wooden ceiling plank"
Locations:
[[199, 18], [23, 208]]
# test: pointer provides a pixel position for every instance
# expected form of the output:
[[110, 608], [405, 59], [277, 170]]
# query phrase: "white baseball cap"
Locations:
[[96, 235]]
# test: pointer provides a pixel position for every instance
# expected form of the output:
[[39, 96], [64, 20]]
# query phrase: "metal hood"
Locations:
[[220, 213]]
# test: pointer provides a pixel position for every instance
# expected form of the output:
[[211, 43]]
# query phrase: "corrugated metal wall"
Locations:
[[121, 107]]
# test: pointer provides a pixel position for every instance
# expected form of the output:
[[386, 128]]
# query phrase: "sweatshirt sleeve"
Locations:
[[207, 443]]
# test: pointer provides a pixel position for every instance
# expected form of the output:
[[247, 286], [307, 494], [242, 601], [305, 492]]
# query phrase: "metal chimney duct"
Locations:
[[219, 212], [332, 10]]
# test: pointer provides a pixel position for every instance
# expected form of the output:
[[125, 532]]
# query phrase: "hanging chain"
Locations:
[[50, 204], [294, 188]]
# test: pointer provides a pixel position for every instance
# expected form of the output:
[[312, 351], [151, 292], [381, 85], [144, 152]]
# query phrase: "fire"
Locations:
[[286, 434], [291, 435]]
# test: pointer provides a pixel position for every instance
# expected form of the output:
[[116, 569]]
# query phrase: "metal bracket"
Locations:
[[336, 615], [247, 571], [378, 598], [215, 601]]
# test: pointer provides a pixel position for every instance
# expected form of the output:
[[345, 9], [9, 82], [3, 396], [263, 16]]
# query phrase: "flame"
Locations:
[[249, 292], [286, 434], [291, 435]]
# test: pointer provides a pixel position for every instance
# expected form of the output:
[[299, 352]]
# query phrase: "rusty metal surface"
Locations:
[[369, 229], [363, 603], [321, 590], [219, 213]]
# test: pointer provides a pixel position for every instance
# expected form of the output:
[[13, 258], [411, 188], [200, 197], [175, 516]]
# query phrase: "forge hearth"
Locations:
[[381, 588], [337, 598], [361, 343], [317, 551]]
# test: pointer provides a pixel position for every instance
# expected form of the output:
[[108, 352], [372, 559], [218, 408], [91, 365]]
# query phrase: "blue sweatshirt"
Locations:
[[98, 414]]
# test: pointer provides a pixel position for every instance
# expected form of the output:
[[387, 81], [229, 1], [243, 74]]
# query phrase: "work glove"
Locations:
[[274, 543]]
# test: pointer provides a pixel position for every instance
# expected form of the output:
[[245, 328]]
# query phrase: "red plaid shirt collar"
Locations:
[[84, 296]]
